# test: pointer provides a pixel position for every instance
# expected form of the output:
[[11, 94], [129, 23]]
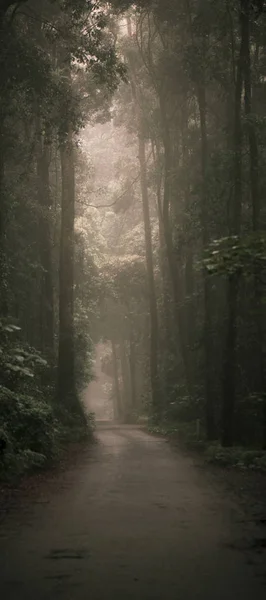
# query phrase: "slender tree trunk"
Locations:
[[151, 282], [246, 8], [172, 263], [132, 367], [4, 6], [45, 203], [164, 268], [125, 377], [207, 328], [66, 359], [189, 247], [3, 266], [208, 310], [229, 366], [154, 328], [117, 399]]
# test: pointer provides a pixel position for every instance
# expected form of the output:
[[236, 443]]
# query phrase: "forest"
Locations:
[[132, 214]]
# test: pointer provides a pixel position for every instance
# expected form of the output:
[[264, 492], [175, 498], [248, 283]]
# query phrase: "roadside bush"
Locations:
[[236, 457], [29, 428], [33, 428]]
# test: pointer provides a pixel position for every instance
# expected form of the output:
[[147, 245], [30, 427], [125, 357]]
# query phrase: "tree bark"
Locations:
[[172, 263], [3, 266], [154, 329], [117, 399], [246, 7], [207, 327], [132, 368], [208, 310], [229, 363], [45, 203], [150, 271], [125, 376], [66, 359]]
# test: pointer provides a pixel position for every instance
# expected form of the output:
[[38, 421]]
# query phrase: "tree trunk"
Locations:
[[246, 7], [207, 297], [151, 281], [132, 367], [3, 266], [172, 263], [154, 329], [164, 268], [117, 399], [229, 363], [125, 377], [207, 327], [45, 203], [66, 359]]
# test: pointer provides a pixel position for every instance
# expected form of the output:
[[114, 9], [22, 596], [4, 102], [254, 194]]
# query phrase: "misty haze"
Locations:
[[132, 300]]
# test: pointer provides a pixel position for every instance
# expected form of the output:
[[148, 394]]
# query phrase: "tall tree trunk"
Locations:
[[151, 282], [45, 203], [208, 310], [3, 265], [154, 328], [200, 86], [229, 363], [117, 398], [164, 269], [190, 312], [172, 263], [125, 377], [132, 368], [66, 359], [247, 8]]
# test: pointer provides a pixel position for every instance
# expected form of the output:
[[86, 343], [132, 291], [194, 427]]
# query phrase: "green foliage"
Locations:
[[187, 434], [83, 350], [234, 255], [30, 430], [58, 66], [236, 457], [18, 361]]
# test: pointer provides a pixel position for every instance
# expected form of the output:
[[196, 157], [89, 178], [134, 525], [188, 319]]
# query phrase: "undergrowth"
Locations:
[[192, 437], [34, 430], [33, 434]]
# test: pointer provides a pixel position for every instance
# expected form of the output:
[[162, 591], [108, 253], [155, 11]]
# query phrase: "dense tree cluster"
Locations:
[[58, 68], [147, 231], [194, 109]]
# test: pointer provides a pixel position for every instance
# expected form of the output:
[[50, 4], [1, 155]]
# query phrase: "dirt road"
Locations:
[[133, 519]]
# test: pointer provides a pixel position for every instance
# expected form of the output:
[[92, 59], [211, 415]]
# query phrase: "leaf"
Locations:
[[13, 367], [19, 358], [26, 372], [41, 361], [11, 328]]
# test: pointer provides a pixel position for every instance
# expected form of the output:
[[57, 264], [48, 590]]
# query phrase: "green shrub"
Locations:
[[33, 428], [30, 430], [236, 457]]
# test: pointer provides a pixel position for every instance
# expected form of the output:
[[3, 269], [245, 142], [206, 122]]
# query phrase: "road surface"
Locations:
[[134, 519]]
